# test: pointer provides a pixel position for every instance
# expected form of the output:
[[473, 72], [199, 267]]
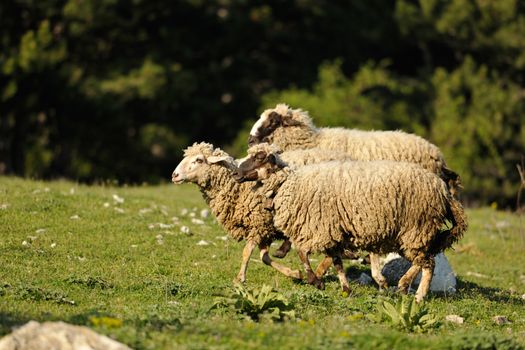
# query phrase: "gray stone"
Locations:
[[57, 336], [443, 280]]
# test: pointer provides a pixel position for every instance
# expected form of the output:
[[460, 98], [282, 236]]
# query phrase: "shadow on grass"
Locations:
[[467, 289], [8, 321]]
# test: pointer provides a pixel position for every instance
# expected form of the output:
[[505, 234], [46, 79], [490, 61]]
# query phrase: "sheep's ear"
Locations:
[[218, 159], [289, 121]]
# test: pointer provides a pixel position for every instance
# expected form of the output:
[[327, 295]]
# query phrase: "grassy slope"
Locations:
[[110, 263]]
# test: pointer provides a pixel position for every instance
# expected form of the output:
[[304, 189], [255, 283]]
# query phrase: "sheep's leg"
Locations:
[[405, 281], [312, 278], [323, 266], [283, 249], [426, 278], [265, 257], [338, 264], [375, 270], [246, 254]]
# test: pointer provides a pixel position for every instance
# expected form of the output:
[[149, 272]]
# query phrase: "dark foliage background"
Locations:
[[115, 89]]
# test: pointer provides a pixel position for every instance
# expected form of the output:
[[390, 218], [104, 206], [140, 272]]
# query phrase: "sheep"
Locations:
[[378, 206], [238, 207], [291, 129]]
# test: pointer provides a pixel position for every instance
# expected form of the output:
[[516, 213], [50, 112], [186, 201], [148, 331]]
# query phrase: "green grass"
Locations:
[[80, 249]]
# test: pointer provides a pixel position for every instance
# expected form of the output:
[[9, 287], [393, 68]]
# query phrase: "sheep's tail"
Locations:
[[456, 215], [452, 180]]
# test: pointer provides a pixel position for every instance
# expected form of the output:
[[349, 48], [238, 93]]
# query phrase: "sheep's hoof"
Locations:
[[296, 274], [239, 280], [402, 290], [279, 253], [346, 291]]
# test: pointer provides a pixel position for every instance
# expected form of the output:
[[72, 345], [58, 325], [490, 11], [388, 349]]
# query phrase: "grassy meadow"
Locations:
[[118, 260]]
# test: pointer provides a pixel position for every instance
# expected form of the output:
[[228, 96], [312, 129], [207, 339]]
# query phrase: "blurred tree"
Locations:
[[98, 89]]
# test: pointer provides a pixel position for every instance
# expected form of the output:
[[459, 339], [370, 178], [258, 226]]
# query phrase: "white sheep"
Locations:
[[377, 206], [238, 207], [292, 129]]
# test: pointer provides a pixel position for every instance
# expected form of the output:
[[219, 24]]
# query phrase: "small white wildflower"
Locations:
[[523, 297], [74, 217], [213, 256], [173, 302], [32, 238], [119, 210], [197, 221], [4, 206], [160, 241], [194, 209], [164, 210], [203, 242], [134, 246], [185, 229], [36, 191], [161, 225], [159, 237], [46, 189], [205, 213], [222, 238], [53, 245], [118, 199], [184, 212], [192, 215], [71, 190], [81, 258], [25, 243], [40, 230], [171, 233], [106, 205], [175, 219]]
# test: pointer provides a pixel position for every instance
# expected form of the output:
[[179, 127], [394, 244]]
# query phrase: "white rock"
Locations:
[[203, 242], [197, 221], [499, 320], [205, 213], [145, 211], [476, 274], [443, 280], [118, 199], [454, 319], [364, 279], [59, 336]]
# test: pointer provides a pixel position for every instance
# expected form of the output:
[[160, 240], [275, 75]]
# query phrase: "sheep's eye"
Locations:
[[260, 156], [199, 160]]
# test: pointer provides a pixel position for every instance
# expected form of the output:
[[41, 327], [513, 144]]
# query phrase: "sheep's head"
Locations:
[[262, 161], [270, 120], [198, 162]]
